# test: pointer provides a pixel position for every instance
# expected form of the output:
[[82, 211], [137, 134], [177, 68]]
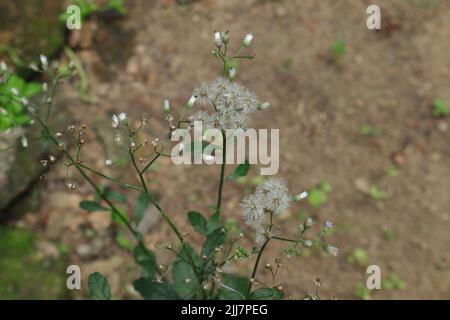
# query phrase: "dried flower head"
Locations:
[[232, 104]]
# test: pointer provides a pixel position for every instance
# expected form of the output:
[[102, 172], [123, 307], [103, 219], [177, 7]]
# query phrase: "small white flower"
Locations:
[[217, 39], [24, 141], [3, 67], [52, 158], [15, 91], [301, 196], [44, 61], [44, 87], [247, 40], [108, 162], [191, 101], [166, 106], [24, 101], [332, 250], [115, 121], [122, 116]]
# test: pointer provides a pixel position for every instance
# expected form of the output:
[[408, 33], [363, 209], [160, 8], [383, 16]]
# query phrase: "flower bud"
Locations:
[[332, 250], [225, 36], [307, 243], [44, 62], [247, 40], [217, 39], [166, 106], [191, 102], [232, 73], [3, 67], [300, 196], [308, 223], [263, 106]]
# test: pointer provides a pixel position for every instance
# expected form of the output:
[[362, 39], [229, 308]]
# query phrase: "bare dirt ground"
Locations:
[[387, 79]]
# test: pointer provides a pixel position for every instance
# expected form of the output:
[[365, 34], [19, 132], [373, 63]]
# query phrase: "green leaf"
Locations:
[[99, 288], [92, 206], [213, 223], [266, 294], [185, 281], [146, 259], [203, 226], [198, 222], [115, 196], [214, 240], [186, 252], [141, 205], [31, 89], [234, 288], [123, 242], [152, 290], [240, 171]]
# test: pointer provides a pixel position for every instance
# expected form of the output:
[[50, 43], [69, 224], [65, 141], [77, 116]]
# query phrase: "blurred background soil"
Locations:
[[361, 123]]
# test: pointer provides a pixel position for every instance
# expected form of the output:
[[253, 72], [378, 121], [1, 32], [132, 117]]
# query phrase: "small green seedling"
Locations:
[[392, 171], [362, 292], [393, 282], [318, 195], [440, 109], [378, 194], [358, 256], [338, 49], [388, 234], [369, 131]]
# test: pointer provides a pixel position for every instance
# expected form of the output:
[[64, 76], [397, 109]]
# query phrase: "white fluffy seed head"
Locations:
[[232, 102], [275, 195]]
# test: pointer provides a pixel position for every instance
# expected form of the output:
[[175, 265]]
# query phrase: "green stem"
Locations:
[[286, 239], [222, 172], [258, 258], [124, 185]]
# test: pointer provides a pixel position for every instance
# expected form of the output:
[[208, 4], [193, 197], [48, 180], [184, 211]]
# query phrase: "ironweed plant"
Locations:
[[193, 274]]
